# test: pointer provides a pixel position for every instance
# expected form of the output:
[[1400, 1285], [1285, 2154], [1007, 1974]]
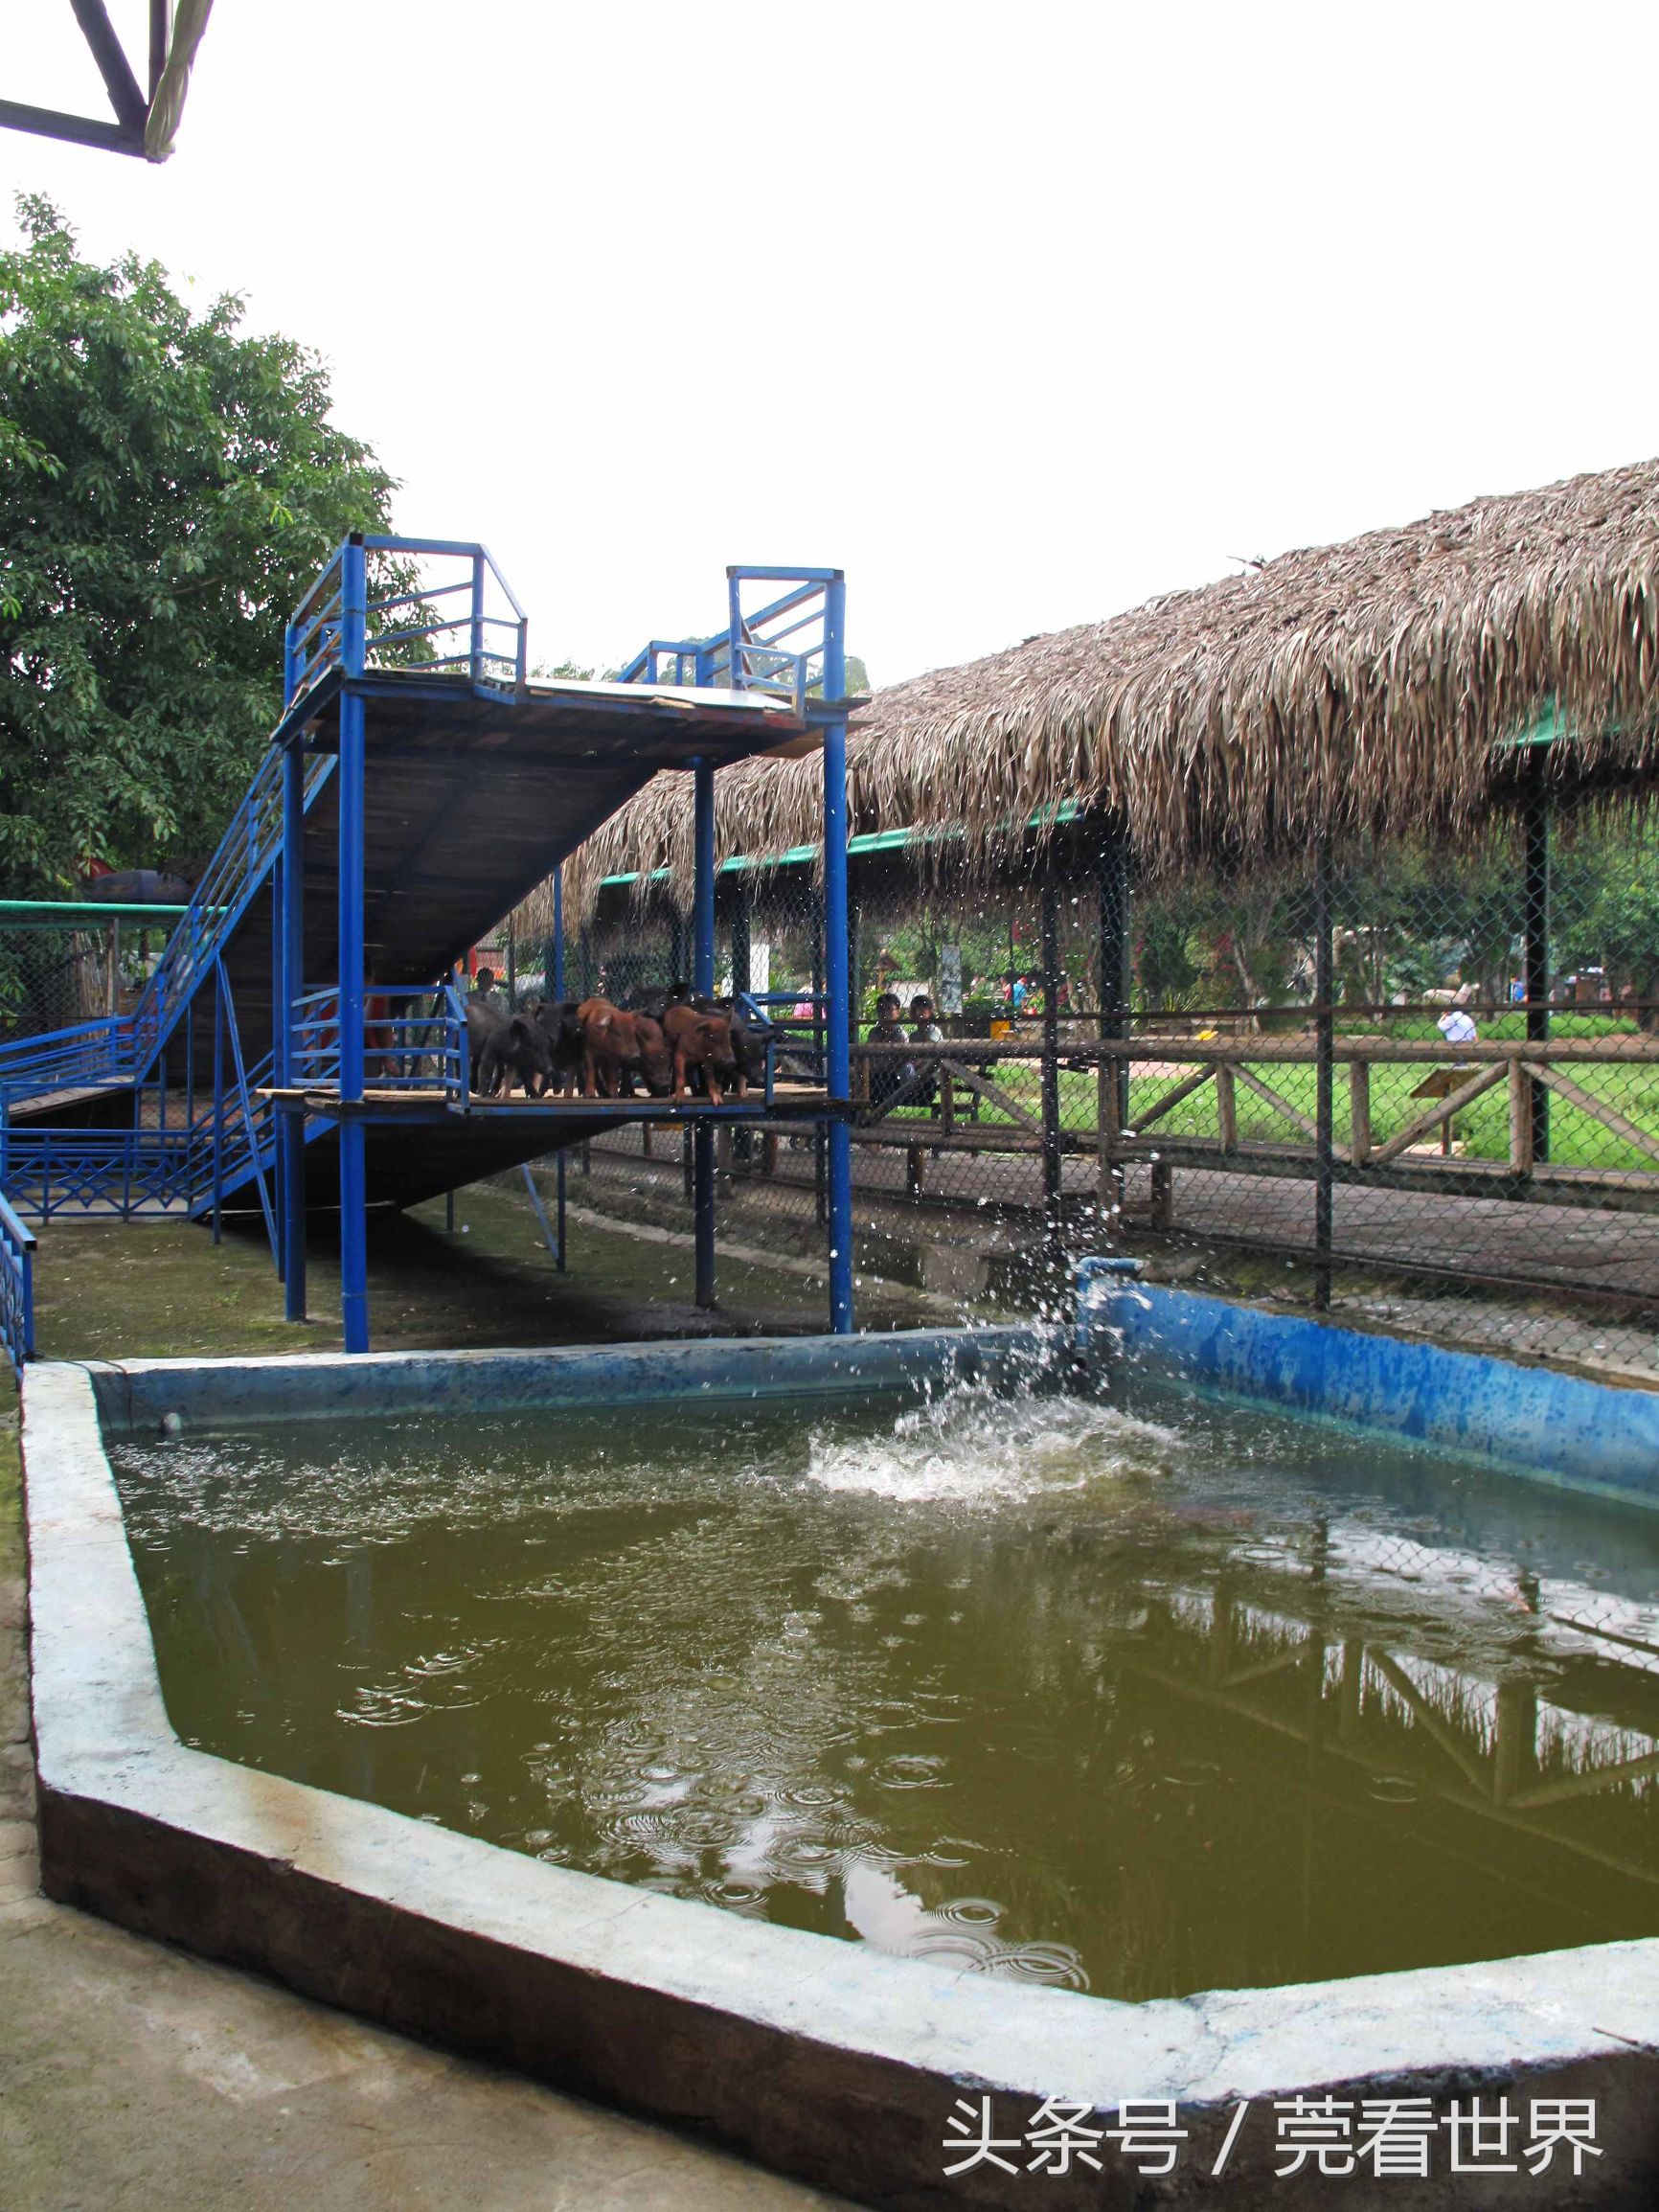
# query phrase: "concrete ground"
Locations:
[[135, 2076]]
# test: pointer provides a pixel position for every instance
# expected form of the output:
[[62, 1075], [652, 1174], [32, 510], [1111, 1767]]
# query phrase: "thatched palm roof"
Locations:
[[1374, 686]]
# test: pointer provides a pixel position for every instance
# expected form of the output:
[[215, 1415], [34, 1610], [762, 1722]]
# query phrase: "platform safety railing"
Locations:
[[371, 608], [315, 1064], [16, 1288], [458, 1083], [777, 649], [106, 1172], [414, 1041], [791, 1023], [87, 1052]]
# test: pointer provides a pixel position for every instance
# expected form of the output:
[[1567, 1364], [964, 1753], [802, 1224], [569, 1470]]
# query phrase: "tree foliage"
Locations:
[[167, 486]]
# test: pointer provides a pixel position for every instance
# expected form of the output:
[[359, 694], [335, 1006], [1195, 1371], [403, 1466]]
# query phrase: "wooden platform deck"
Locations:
[[417, 1145], [790, 1101], [72, 1107]]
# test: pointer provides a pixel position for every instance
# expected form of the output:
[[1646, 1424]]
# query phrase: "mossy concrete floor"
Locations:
[[134, 2076], [112, 1289]]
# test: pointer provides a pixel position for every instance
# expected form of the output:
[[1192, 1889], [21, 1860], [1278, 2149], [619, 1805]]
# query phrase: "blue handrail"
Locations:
[[16, 1288], [750, 654], [414, 1039], [324, 633], [96, 1051]]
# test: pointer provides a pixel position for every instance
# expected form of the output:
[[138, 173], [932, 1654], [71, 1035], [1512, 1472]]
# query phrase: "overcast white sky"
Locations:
[[1019, 312]]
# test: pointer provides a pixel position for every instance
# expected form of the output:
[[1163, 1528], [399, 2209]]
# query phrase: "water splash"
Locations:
[[971, 1446]]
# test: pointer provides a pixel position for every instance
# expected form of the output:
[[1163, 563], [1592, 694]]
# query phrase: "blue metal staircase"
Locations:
[[419, 785]]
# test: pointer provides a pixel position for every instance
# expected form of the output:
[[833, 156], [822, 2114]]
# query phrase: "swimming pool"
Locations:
[[1134, 1610], [1141, 1696]]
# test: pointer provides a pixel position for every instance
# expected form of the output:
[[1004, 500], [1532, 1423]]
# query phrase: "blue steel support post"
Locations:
[[219, 1147], [703, 984], [838, 1024], [291, 1123], [354, 1184], [279, 998], [556, 980], [1536, 942], [1325, 1077]]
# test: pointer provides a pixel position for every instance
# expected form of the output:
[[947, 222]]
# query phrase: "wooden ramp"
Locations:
[[472, 796]]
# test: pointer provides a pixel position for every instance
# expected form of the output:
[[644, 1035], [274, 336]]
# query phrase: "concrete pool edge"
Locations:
[[824, 2059]]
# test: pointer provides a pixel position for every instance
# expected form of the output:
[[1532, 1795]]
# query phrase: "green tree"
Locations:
[[1606, 899], [168, 488]]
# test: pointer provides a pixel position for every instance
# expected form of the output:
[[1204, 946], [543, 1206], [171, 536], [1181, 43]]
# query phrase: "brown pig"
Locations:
[[703, 1041], [615, 1043]]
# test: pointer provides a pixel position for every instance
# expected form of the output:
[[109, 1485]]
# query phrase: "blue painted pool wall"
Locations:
[[1526, 1420], [1558, 1429], [219, 1394]]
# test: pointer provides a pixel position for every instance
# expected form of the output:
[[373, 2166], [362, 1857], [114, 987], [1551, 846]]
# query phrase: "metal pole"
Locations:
[[703, 878], [219, 1099], [557, 981], [291, 1120], [160, 22], [278, 995], [1053, 1169], [703, 984], [742, 980], [1324, 1074], [820, 1199], [349, 776], [1535, 928], [741, 942], [1112, 861], [838, 1136]]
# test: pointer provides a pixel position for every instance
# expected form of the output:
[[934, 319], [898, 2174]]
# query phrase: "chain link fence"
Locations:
[[56, 972], [1419, 1087]]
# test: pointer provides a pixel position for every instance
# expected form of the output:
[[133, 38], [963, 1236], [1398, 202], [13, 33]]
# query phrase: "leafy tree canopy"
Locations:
[[168, 488]]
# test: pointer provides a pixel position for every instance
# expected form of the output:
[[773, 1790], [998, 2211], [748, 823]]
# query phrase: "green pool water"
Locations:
[[1144, 1698]]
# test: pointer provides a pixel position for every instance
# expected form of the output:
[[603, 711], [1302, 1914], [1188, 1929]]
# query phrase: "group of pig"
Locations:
[[670, 1041]]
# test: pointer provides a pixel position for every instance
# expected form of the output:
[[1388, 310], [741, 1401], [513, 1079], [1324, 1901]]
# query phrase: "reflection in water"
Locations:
[[1142, 1698]]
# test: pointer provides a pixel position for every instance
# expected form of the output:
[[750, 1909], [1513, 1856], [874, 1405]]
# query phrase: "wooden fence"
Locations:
[[1258, 1100]]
